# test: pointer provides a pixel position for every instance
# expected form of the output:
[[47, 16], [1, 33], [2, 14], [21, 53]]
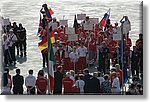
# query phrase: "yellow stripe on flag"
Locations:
[[52, 40], [44, 46]]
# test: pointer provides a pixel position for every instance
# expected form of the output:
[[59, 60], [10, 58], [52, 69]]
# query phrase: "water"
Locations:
[[27, 13]]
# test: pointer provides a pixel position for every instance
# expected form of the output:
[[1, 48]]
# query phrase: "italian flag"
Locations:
[[51, 63]]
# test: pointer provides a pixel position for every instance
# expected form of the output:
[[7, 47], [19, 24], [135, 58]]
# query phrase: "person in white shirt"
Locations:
[[82, 52], [74, 55], [30, 82], [7, 56], [80, 83], [100, 77], [74, 58], [12, 39], [115, 84]]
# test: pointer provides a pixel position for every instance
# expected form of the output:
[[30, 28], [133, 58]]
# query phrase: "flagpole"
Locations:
[[48, 37], [122, 55]]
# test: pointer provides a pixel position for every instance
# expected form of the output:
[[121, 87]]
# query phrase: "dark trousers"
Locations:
[[17, 46], [22, 45], [12, 52], [7, 57], [45, 59], [16, 92], [135, 67], [32, 91]]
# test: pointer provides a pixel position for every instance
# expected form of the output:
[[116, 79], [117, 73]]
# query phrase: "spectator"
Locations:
[[30, 82], [132, 90], [18, 82], [22, 39], [135, 61], [115, 84], [68, 84], [95, 84], [6, 84], [41, 83], [7, 56], [88, 83], [80, 83], [12, 40], [106, 85], [58, 76]]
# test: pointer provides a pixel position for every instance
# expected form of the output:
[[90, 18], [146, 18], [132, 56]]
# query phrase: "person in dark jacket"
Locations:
[[58, 76], [15, 29], [135, 61], [95, 84], [21, 34], [18, 82], [88, 81]]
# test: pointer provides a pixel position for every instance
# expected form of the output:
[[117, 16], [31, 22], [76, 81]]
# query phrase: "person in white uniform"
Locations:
[[12, 39]]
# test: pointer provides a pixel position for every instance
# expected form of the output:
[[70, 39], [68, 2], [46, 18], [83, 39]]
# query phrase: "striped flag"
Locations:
[[105, 18], [44, 43], [51, 63], [48, 12]]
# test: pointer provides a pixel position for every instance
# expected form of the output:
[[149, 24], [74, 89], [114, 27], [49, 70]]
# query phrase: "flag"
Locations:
[[105, 18], [50, 10], [51, 63], [75, 25], [44, 43], [125, 72]]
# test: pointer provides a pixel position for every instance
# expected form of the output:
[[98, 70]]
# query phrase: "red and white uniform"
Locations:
[[60, 56], [67, 63], [41, 84], [82, 52], [68, 85], [74, 60]]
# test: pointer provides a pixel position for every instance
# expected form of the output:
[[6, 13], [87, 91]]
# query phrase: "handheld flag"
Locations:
[[51, 62], [105, 18], [75, 25]]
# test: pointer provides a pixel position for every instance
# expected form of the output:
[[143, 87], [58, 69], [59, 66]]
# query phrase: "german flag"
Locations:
[[44, 42]]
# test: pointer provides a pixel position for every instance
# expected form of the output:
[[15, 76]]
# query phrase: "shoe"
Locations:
[[6, 65], [14, 63], [25, 54]]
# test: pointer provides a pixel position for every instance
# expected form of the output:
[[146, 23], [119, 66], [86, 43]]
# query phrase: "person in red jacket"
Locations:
[[9, 77], [41, 83], [60, 56], [128, 46], [68, 84], [119, 73], [90, 43]]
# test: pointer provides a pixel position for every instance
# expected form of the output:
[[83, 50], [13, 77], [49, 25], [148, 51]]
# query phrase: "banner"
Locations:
[[73, 37], [63, 22], [54, 26], [116, 36], [81, 16], [70, 30], [94, 20], [88, 26]]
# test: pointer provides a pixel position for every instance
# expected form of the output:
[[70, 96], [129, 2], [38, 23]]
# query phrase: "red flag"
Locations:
[[105, 18]]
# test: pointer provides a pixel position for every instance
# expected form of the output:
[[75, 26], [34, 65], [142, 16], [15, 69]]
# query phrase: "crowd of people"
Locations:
[[68, 83], [95, 47], [75, 58], [14, 37]]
